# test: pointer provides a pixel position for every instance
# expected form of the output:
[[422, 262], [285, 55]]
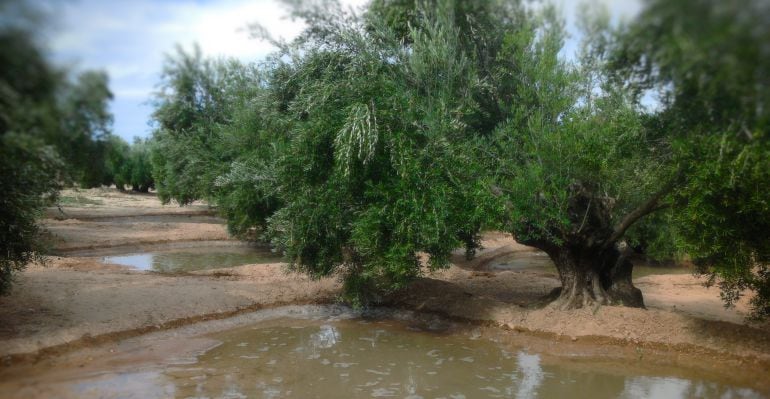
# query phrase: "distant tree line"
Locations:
[[128, 166]]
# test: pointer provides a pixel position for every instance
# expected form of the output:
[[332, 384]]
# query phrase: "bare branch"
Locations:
[[651, 205]]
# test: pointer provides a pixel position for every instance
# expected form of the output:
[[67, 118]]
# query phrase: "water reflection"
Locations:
[[531, 375], [649, 387], [325, 338], [191, 259], [354, 360], [669, 387], [350, 359]]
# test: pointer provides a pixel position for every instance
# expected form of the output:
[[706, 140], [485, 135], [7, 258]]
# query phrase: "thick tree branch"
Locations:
[[651, 205]]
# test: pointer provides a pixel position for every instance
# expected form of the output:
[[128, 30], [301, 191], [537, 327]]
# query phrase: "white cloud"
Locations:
[[136, 93], [148, 28], [129, 39], [619, 10], [219, 29]]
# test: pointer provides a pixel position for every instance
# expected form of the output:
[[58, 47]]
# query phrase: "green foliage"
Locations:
[[71, 115], [569, 133], [140, 177], [51, 131], [28, 181], [29, 170], [198, 98], [710, 65], [116, 162], [247, 193], [228, 158], [86, 127], [28, 83], [658, 238], [378, 172], [130, 165], [374, 145]]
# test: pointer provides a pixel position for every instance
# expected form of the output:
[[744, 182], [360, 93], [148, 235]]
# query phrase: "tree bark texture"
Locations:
[[593, 264], [590, 278]]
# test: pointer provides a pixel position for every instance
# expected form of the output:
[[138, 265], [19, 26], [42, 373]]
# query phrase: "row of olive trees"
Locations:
[[128, 165], [373, 139]]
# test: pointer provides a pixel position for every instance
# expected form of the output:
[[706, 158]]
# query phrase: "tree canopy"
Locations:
[[29, 169], [375, 144], [129, 166], [710, 66]]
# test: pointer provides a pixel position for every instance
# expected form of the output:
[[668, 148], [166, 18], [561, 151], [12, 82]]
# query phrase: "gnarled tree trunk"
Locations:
[[592, 262], [594, 276], [620, 286], [591, 257]]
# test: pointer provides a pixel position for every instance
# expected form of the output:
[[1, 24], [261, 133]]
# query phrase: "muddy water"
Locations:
[[191, 259], [537, 260], [383, 359], [321, 355]]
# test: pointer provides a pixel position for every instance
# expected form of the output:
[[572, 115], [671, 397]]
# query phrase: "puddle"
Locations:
[[538, 260], [194, 258], [342, 356]]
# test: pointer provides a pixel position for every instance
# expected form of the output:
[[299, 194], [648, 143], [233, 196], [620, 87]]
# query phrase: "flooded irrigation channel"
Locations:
[[192, 259], [184, 257], [333, 352]]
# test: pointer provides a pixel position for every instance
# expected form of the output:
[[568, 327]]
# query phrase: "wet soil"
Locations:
[[76, 301], [316, 352]]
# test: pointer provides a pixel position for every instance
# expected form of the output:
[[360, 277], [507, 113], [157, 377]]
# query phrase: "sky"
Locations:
[[130, 39]]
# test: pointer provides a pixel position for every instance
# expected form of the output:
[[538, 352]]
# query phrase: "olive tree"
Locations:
[[396, 139], [709, 64], [409, 139], [375, 144], [196, 99], [30, 170], [53, 130], [129, 165], [379, 175], [86, 126]]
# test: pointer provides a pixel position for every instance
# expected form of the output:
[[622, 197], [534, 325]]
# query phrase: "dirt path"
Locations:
[[76, 301]]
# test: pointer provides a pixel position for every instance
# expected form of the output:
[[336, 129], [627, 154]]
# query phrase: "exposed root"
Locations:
[[585, 295], [591, 294]]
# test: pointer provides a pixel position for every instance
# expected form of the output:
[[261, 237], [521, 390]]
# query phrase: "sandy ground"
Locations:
[[99, 218], [677, 321], [76, 301]]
